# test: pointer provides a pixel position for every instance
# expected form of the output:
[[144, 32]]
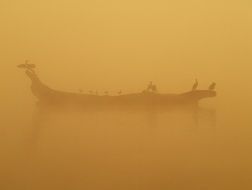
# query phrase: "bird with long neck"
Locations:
[[195, 85]]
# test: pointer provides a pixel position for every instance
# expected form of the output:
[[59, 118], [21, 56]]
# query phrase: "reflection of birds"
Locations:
[[212, 86], [26, 65], [195, 85]]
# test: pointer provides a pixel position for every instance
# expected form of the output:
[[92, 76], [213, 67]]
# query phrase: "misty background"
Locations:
[[114, 45]]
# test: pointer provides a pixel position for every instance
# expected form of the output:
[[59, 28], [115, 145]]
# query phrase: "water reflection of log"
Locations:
[[205, 118], [152, 118], [208, 116], [39, 118], [201, 117]]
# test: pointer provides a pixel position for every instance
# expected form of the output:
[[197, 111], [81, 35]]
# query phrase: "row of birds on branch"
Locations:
[[151, 88], [97, 93], [211, 86]]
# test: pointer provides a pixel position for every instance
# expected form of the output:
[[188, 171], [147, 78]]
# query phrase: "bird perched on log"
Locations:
[[195, 85], [212, 86], [26, 65], [151, 88]]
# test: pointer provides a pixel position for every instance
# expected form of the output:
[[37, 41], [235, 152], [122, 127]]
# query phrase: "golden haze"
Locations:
[[112, 45]]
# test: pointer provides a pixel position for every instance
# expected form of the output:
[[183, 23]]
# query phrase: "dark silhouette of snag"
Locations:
[[48, 97], [26, 65]]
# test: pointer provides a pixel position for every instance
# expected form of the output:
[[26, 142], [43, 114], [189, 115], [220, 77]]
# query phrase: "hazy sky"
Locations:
[[112, 45], [124, 44]]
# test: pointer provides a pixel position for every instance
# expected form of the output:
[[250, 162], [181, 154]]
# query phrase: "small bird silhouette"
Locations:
[[195, 85], [212, 86], [119, 92], [80, 90], [26, 65], [106, 92]]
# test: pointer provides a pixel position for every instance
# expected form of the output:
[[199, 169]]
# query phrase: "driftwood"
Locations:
[[48, 97]]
